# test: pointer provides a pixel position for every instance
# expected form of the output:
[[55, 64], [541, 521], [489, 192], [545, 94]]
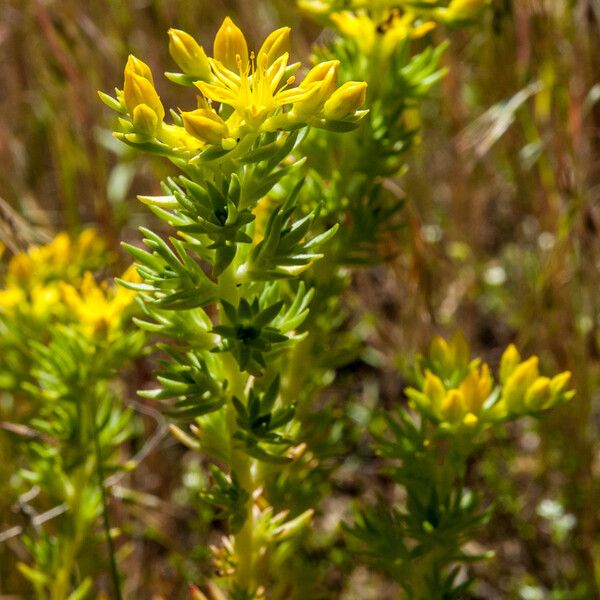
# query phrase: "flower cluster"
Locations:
[[242, 94], [452, 12], [54, 283], [457, 392], [32, 279]]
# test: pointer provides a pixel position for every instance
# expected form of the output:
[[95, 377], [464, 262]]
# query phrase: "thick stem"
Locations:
[[240, 463]]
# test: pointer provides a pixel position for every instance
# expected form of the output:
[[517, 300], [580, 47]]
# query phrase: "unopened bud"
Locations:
[[434, 389], [229, 44], [538, 394], [322, 82], [206, 125], [320, 72], [518, 383], [453, 407], [145, 120], [139, 67], [510, 359], [346, 100], [188, 54], [139, 90]]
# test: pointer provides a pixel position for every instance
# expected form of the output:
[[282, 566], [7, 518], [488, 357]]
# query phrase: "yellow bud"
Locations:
[[434, 389], [276, 44], [145, 120], [460, 351], [139, 90], [206, 125], [559, 383], [322, 81], [518, 383], [320, 72], [139, 67], [453, 407], [188, 54], [346, 100], [439, 353], [510, 359], [229, 44], [538, 394], [475, 388]]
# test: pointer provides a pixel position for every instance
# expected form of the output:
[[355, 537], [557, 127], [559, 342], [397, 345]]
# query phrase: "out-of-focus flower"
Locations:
[[63, 258], [457, 392], [381, 36], [99, 308]]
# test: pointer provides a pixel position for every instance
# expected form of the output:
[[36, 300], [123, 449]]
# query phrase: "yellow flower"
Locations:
[[461, 405], [380, 36], [98, 308], [257, 88], [62, 258], [254, 91]]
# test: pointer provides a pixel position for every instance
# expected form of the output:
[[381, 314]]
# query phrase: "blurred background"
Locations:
[[501, 240]]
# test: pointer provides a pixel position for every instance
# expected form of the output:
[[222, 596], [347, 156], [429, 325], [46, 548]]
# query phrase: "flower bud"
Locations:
[[276, 44], [206, 125], [434, 389], [145, 120], [538, 394], [322, 81], [140, 90], [346, 100], [320, 72], [139, 67], [518, 383], [510, 359], [453, 407], [188, 54], [229, 44]]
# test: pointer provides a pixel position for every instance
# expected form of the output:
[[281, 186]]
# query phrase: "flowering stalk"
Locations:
[[226, 292], [454, 408]]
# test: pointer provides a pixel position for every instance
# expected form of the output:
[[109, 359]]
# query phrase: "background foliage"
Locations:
[[500, 240]]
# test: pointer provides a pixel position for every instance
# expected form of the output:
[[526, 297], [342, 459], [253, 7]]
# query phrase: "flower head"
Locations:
[[243, 93], [98, 308]]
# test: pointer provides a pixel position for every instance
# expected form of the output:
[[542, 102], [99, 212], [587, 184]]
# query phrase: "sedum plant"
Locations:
[[455, 407], [225, 293], [65, 338]]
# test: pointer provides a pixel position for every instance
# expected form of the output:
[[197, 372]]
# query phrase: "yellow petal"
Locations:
[[229, 44]]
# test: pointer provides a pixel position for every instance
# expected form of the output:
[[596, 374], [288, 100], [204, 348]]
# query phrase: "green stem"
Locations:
[[105, 516], [240, 462]]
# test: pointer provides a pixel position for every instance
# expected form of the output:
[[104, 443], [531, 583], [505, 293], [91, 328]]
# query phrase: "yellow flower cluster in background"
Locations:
[[242, 94], [53, 283], [98, 307], [380, 35], [450, 12], [61, 259], [458, 393]]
